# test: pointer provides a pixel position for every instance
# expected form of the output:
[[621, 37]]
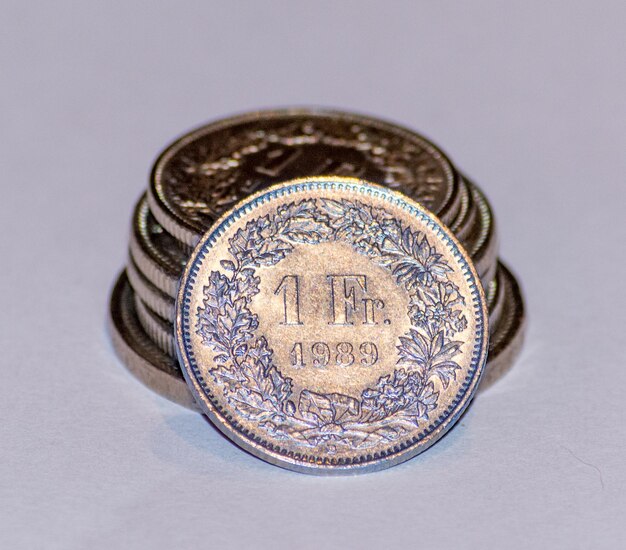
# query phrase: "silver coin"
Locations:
[[482, 240], [159, 302], [250, 370], [156, 253], [207, 171], [159, 330], [139, 353]]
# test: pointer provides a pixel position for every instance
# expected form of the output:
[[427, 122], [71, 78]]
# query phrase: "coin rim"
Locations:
[[139, 353], [157, 263], [265, 449]]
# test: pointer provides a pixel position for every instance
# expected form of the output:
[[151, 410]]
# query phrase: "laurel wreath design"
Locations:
[[255, 387]]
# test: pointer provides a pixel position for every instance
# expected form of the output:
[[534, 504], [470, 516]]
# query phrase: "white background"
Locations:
[[529, 98]]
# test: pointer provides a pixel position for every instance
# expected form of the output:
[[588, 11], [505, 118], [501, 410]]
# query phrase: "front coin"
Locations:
[[329, 325]]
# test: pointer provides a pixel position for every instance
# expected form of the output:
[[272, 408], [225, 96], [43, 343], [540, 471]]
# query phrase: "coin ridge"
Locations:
[[464, 196], [159, 302], [272, 451], [482, 241], [510, 332], [464, 225], [160, 331], [161, 264]]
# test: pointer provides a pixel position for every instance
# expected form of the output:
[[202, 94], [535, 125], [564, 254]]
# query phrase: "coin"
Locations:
[[160, 331], [507, 338], [159, 302], [327, 325], [157, 254], [207, 171], [139, 353], [482, 241]]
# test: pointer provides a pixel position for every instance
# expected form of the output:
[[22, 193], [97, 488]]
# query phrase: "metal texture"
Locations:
[[160, 331], [157, 254], [469, 212], [159, 302], [328, 325], [481, 242], [207, 171], [508, 336]]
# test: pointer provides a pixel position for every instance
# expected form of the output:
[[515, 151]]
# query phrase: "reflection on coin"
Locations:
[[495, 300], [206, 172], [157, 254], [327, 325]]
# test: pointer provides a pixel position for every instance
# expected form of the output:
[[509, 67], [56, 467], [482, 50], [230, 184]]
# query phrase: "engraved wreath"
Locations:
[[245, 370]]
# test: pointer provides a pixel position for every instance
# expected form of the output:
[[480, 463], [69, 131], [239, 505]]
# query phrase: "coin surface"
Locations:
[[328, 325], [207, 171]]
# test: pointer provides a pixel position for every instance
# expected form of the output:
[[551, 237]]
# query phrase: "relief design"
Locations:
[[210, 174], [252, 383]]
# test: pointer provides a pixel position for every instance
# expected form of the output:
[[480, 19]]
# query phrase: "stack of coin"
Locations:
[[206, 172]]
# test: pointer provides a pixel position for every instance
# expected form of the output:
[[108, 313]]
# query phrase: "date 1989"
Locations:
[[342, 354]]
